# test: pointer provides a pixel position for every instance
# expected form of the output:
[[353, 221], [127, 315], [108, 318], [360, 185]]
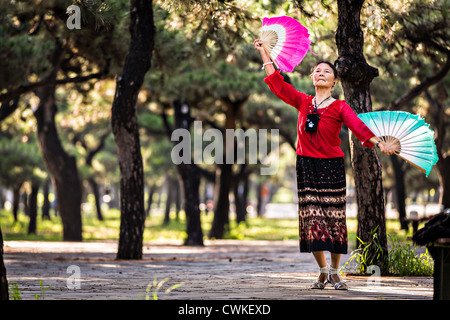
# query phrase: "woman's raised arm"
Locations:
[[267, 64]]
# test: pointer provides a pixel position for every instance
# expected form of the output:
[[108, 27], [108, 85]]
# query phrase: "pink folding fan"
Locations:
[[286, 40]]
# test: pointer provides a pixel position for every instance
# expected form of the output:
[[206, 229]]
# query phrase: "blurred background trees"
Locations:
[[58, 86]]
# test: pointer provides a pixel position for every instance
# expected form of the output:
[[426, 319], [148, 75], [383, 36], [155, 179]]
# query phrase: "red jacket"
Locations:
[[325, 142]]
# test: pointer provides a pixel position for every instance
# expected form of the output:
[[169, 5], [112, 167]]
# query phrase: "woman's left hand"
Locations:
[[385, 149]]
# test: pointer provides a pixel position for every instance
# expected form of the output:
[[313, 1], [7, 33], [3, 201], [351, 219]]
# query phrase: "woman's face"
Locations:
[[323, 76]]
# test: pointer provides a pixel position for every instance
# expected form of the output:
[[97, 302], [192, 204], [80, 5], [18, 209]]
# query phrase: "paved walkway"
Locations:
[[222, 269]]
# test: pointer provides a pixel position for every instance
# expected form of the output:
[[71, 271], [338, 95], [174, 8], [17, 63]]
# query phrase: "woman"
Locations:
[[320, 164]]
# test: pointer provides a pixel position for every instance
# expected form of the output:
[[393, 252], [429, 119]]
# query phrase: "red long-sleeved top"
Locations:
[[325, 142]]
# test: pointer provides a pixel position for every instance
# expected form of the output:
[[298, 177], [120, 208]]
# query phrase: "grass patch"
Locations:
[[108, 229], [401, 259], [47, 230], [264, 229], [155, 229]]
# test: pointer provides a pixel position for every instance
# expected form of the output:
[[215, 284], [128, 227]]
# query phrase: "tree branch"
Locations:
[[13, 93], [169, 129], [10, 98], [8, 107], [424, 85]]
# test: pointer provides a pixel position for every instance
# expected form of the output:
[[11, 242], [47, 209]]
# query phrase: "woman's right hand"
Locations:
[[258, 45], [265, 56]]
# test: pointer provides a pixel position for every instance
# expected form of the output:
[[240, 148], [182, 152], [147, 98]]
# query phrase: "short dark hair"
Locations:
[[328, 63]]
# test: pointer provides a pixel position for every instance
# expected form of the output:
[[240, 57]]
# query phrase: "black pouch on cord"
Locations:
[[312, 122]]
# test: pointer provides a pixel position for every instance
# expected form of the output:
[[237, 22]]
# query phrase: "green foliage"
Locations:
[[155, 287], [47, 230], [14, 292], [20, 162], [21, 53], [43, 290], [402, 259], [368, 253], [97, 13]]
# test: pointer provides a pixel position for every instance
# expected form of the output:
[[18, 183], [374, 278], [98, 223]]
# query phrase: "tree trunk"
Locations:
[[24, 198], [45, 210], [151, 191], [91, 180], [241, 197], [169, 199], [3, 281], [440, 120], [400, 193], [95, 191], [62, 167], [2, 199], [178, 200], [189, 177], [189, 187], [33, 208], [238, 201], [125, 129], [222, 206], [259, 200], [356, 75], [16, 201], [444, 180]]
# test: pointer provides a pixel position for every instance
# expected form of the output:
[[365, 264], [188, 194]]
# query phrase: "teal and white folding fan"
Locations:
[[408, 134]]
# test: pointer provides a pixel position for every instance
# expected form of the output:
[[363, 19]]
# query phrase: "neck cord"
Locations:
[[315, 110], [317, 106]]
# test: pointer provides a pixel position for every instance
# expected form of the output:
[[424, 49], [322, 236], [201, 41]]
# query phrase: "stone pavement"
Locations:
[[221, 270]]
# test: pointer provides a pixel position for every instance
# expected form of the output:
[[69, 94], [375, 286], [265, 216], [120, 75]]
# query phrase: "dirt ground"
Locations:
[[221, 270]]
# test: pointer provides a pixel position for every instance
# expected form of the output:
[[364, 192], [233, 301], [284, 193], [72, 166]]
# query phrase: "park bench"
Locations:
[[415, 220], [436, 236], [440, 251]]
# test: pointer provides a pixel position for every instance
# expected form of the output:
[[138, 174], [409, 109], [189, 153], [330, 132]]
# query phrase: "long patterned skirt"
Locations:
[[321, 202]]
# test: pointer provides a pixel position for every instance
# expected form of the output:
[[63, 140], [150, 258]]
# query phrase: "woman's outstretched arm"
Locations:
[[268, 64]]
